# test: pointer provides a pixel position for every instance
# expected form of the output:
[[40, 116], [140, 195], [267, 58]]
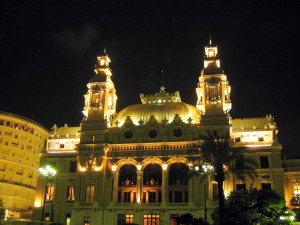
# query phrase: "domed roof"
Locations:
[[160, 111], [162, 105]]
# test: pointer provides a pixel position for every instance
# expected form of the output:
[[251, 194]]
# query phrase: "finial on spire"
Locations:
[[104, 50], [210, 42]]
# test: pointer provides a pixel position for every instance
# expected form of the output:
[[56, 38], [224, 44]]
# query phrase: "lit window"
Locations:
[[68, 219], [172, 219], [47, 217], [49, 192], [86, 221], [125, 218], [296, 190], [89, 193], [151, 219], [71, 193], [102, 62], [129, 218]]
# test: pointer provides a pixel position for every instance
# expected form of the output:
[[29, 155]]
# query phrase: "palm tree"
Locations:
[[218, 151]]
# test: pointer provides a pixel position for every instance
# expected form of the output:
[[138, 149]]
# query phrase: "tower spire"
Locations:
[[210, 42]]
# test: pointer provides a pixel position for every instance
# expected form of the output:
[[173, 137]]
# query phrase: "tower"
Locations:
[[100, 105], [101, 98], [213, 90]]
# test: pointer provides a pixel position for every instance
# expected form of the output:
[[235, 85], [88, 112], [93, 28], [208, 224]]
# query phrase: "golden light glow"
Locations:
[[82, 169], [97, 168], [114, 168], [211, 51], [102, 62], [37, 204], [139, 167], [257, 145], [226, 194], [165, 166]]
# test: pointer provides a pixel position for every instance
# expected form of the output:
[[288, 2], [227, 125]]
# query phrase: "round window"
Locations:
[[177, 132], [152, 133], [128, 134]]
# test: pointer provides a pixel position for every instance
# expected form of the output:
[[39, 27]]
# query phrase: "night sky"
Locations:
[[49, 48]]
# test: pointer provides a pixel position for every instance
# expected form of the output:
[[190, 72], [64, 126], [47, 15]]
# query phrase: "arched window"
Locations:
[[127, 175], [152, 181], [178, 183], [127, 184], [152, 175]]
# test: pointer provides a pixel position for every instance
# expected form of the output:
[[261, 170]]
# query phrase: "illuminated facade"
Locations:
[[132, 166], [21, 142], [292, 183]]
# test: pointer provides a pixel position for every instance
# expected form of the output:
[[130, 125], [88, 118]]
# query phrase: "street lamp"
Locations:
[[47, 172], [206, 169]]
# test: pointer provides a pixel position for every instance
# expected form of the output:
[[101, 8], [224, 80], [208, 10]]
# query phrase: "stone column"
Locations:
[[165, 185], [139, 185]]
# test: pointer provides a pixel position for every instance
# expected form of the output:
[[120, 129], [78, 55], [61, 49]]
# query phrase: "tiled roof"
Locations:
[[249, 123]]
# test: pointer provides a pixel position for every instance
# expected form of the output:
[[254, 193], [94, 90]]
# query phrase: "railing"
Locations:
[[177, 204], [17, 183], [23, 118]]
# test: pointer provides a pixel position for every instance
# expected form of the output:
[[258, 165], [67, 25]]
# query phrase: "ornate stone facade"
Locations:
[[133, 166]]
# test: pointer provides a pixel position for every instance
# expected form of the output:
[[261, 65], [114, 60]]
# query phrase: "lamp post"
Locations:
[[206, 169], [47, 172]]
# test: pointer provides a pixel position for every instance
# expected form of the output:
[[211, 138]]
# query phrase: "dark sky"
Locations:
[[48, 50]]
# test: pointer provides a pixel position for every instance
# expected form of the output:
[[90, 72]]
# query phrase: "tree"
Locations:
[[265, 207], [218, 152], [295, 201]]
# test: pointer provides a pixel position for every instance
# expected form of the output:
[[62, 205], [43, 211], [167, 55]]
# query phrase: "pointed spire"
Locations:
[[210, 42]]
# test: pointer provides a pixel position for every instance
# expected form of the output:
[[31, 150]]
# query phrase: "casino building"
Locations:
[[133, 166]]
